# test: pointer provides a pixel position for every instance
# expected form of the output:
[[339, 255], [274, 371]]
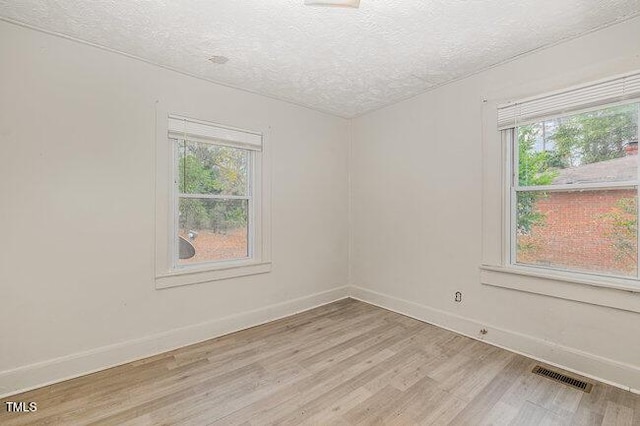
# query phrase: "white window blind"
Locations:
[[571, 100], [201, 131]]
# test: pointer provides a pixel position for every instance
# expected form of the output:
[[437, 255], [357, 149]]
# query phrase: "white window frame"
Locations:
[[168, 273], [253, 170], [496, 268], [509, 138]]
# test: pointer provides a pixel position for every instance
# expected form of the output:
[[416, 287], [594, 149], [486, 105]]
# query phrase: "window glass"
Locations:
[[592, 147], [216, 228], [593, 231], [204, 168], [575, 192], [213, 202]]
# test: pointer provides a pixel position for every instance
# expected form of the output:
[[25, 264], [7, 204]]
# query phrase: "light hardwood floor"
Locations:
[[343, 363]]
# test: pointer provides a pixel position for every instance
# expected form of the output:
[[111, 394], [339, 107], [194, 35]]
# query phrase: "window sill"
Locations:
[[201, 275], [618, 293]]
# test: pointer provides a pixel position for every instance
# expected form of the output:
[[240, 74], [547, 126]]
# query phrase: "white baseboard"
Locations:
[[33, 376], [21, 379], [615, 373]]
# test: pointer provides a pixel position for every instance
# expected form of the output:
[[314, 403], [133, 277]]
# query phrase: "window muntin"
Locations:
[[574, 192]]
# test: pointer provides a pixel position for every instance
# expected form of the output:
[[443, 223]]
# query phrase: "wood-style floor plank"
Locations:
[[345, 363]]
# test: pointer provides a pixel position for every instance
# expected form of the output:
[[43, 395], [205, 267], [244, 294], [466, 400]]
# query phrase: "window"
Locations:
[[214, 202], [215, 214], [571, 200], [574, 192]]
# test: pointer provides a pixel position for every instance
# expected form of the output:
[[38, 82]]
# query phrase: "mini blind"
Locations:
[[526, 111], [201, 131]]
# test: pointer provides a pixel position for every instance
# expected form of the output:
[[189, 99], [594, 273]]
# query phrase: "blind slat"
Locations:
[[180, 127], [561, 103]]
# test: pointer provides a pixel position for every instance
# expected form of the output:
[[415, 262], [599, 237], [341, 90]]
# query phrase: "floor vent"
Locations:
[[559, 377]]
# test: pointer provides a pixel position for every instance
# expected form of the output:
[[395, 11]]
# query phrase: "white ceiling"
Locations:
[[342, 61]]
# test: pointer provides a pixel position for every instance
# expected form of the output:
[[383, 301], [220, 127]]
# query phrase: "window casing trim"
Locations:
[[596, 280], [621, 294], [165, 275], [513, 187], [495, 269], [231, 269]]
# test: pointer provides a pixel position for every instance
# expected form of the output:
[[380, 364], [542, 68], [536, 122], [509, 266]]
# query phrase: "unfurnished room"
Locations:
[[319, 212]]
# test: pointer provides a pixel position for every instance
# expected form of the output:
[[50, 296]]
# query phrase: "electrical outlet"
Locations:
[[458, 297]]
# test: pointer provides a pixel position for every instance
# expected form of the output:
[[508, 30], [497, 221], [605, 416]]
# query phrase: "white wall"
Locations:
[[77, 135], [416, 172]]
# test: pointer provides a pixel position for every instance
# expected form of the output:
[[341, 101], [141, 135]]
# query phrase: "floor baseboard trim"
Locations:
[[33, 376], [605, 370], [29, 377]]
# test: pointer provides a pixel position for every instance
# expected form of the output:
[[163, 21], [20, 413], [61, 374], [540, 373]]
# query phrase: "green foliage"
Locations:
[[623, 228], [195, 178], [534, 169], [596, 136], [209, 169]]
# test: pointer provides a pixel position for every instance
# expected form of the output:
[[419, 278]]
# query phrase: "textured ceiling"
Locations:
[[342, 61]]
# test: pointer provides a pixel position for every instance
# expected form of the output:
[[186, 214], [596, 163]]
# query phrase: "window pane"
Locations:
[[212, 230], [597, 146], [210, 169], [593, 231]]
